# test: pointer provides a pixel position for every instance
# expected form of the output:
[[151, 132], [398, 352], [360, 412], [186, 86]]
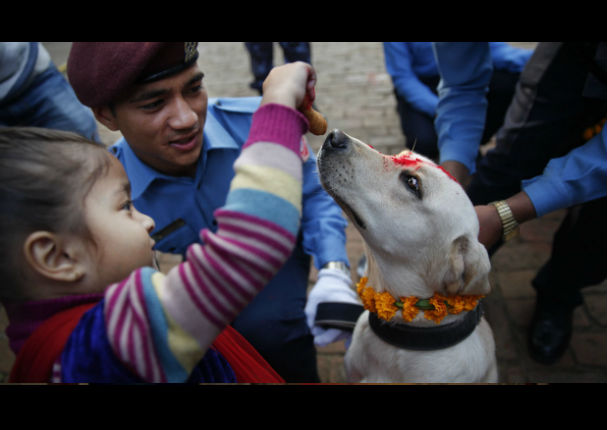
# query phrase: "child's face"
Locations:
[[162, 121], [120, 232]]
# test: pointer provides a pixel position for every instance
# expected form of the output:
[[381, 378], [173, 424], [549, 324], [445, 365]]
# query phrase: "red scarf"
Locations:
[[34, 362]]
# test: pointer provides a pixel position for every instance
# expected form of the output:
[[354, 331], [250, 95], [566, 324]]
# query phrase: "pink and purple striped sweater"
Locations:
[[161, 326]]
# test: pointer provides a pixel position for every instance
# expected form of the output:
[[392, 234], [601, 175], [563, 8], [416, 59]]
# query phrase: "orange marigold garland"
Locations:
[[440, 308], [367, 295], [458, 304], [384, 305], [410, 311], [435, 308]]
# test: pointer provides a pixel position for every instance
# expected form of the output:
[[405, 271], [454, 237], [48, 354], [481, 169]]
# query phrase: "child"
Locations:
[[84, 305]]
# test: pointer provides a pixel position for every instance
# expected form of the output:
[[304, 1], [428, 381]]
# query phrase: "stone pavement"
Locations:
[[355, 93]]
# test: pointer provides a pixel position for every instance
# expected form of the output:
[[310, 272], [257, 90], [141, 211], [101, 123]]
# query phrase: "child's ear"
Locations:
[[54, 256], [106, 117]]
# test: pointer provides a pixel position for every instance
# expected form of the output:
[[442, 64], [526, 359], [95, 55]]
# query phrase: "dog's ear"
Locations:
[[468, 268]]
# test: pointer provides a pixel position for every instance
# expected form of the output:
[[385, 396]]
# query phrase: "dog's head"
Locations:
[[416, 220]]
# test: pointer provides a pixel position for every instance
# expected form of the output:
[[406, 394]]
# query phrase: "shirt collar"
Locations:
[[215, 135], [140, 174]]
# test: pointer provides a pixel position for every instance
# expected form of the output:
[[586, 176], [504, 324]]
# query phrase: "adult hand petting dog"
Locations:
[[332, 286], [490, 225]]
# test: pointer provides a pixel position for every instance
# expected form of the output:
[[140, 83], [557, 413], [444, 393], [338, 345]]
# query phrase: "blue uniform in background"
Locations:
[[553, 166], [274, 322], [415, 76], [543, 148]]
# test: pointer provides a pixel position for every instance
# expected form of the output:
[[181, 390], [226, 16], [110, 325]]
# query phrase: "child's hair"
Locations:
[[44, 177]]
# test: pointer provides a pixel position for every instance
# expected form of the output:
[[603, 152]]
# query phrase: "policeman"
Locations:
[[178, 149]]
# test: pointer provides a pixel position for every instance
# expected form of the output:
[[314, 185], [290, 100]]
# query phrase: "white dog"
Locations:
[[420, 232]]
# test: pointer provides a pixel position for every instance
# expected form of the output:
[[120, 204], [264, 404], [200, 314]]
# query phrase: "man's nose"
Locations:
[[183, 115]]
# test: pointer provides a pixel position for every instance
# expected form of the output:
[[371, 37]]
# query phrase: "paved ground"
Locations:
[[355, 94]]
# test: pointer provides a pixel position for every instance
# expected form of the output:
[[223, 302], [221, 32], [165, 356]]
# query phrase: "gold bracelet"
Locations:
[[509, 225]]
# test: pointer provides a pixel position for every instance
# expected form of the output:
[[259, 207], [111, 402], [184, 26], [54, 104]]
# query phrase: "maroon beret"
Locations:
[[100, 71]]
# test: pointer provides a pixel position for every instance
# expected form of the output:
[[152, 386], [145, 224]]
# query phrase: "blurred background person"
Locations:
[[34, 93], [415, 77]]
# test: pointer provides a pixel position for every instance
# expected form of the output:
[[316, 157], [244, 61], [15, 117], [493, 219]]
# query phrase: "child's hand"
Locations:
[[292, 85], [288, 84]]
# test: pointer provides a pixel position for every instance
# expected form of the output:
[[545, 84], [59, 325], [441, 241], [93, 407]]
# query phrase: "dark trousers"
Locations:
[[579, 256], [546, 119], [262, 58], [418, 127]]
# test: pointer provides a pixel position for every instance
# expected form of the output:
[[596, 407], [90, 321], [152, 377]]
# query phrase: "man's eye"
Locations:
[[196, 88], [412, 183], [153, 105]]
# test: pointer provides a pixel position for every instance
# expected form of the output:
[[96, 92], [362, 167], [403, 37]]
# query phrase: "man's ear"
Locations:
[[468, 268], [54, 256], [105, 116]]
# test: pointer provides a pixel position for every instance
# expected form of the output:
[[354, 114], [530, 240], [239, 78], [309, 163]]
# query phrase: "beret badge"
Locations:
[[190, 50]]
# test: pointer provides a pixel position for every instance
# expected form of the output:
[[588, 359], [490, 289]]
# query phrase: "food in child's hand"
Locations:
[[318, 123]]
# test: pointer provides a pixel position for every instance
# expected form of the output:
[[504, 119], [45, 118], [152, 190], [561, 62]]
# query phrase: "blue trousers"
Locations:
[[49, 102]]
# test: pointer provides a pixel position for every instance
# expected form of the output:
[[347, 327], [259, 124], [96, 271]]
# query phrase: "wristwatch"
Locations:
[[509, 225], [337, 265]]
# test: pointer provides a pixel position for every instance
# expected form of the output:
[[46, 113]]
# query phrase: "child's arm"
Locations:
[[162, 326]]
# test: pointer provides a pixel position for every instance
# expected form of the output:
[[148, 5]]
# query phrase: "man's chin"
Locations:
[[183, 153], [186, 163]]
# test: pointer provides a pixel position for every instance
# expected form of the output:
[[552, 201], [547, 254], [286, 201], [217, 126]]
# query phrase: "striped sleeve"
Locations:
[[161, 326]]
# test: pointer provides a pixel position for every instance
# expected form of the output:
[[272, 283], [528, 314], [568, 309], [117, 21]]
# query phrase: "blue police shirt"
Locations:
[[182, 206]]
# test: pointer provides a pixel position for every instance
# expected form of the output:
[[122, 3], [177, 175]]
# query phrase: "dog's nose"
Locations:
[[337, 139]]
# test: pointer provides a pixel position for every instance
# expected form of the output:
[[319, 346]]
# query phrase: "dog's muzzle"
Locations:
[[337, 140], [333, 168]]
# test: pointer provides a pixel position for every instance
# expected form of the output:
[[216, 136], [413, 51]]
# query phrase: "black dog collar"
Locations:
[[426, 338]]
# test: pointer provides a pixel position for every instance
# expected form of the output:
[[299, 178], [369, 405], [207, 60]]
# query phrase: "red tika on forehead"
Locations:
[[408, 160]]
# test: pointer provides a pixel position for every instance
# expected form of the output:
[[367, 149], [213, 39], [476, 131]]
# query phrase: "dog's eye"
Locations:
[[412, 183]]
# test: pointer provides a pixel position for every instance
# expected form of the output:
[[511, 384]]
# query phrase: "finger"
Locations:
[[311, 83]]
